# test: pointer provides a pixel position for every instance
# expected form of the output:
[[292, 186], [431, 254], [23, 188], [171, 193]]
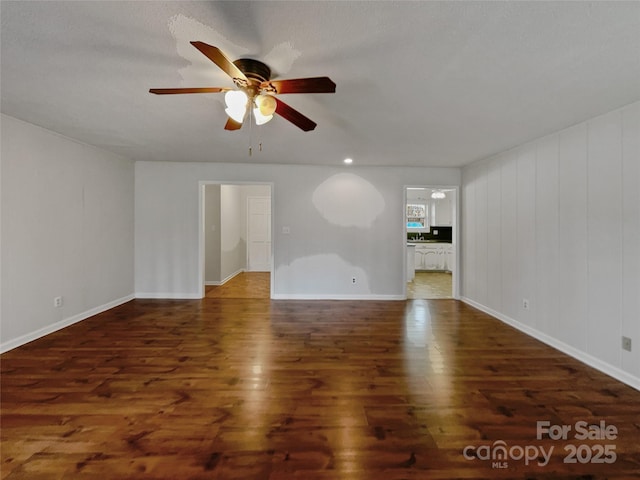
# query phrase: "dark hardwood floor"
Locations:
[[236, 388]]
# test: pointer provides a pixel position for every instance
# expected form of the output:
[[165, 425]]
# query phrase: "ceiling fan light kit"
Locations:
[[254, 87], [236, 101], [259, 117], [266, 104]]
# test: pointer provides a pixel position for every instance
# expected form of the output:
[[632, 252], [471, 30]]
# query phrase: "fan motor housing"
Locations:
[[254, 70]]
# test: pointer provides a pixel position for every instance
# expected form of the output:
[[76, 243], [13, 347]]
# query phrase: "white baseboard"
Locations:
[[584, 357], [225, 280], [168, 296], [41, 332], [229, 277], [305, 296]]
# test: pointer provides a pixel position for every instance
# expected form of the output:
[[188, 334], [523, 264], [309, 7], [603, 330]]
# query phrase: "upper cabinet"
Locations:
[[442, 210]]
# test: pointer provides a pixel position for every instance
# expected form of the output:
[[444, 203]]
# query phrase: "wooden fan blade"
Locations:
[[232, 124], [299, 85], [294, 116], [220, 59], [172, 91]]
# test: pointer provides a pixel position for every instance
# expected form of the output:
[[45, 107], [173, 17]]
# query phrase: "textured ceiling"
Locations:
[[418, 83]]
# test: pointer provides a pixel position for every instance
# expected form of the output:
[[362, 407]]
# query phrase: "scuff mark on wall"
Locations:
[[348, 200]]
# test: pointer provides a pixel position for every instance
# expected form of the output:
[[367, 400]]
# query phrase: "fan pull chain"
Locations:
[[250, 133], [251, 120]]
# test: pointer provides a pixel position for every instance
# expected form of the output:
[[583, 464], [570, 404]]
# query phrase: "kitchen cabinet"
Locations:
[[442, 211], [411, 265], [434, 256], [449, 257]]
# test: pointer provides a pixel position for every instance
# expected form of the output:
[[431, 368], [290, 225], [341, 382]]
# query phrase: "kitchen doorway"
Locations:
[[430, 236]]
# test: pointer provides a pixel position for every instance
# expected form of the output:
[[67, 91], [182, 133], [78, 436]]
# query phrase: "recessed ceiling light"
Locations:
[[348, 160]]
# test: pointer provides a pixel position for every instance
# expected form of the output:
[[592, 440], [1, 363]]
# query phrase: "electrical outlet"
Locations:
[[57, 302], [626, 344], [353, 279], [525, 304]]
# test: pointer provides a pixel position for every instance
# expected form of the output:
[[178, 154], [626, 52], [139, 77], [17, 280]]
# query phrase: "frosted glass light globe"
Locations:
[[266, 103]]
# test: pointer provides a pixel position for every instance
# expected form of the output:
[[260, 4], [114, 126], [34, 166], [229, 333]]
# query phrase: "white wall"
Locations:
[[233, 225], [344, 222], [557, 222], [67, 230]]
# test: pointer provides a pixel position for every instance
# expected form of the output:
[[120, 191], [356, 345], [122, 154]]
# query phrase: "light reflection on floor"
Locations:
[[424, 357]]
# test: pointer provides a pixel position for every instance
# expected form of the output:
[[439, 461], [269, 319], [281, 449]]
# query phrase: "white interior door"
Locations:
[[259, 234]]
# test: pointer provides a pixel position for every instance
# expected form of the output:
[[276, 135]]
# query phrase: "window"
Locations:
[[416, 215]]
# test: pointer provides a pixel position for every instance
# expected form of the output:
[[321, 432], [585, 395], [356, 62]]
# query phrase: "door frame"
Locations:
[[201, 228], [455, 223]]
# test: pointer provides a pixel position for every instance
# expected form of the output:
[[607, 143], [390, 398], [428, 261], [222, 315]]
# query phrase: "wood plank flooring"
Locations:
[[233, 388], [243, 285]]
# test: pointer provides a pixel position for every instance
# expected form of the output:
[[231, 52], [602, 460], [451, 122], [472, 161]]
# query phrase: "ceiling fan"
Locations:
[[256, 89]]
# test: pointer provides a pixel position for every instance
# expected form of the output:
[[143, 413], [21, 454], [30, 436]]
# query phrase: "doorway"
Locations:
[[430, 235], [235, 245]]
